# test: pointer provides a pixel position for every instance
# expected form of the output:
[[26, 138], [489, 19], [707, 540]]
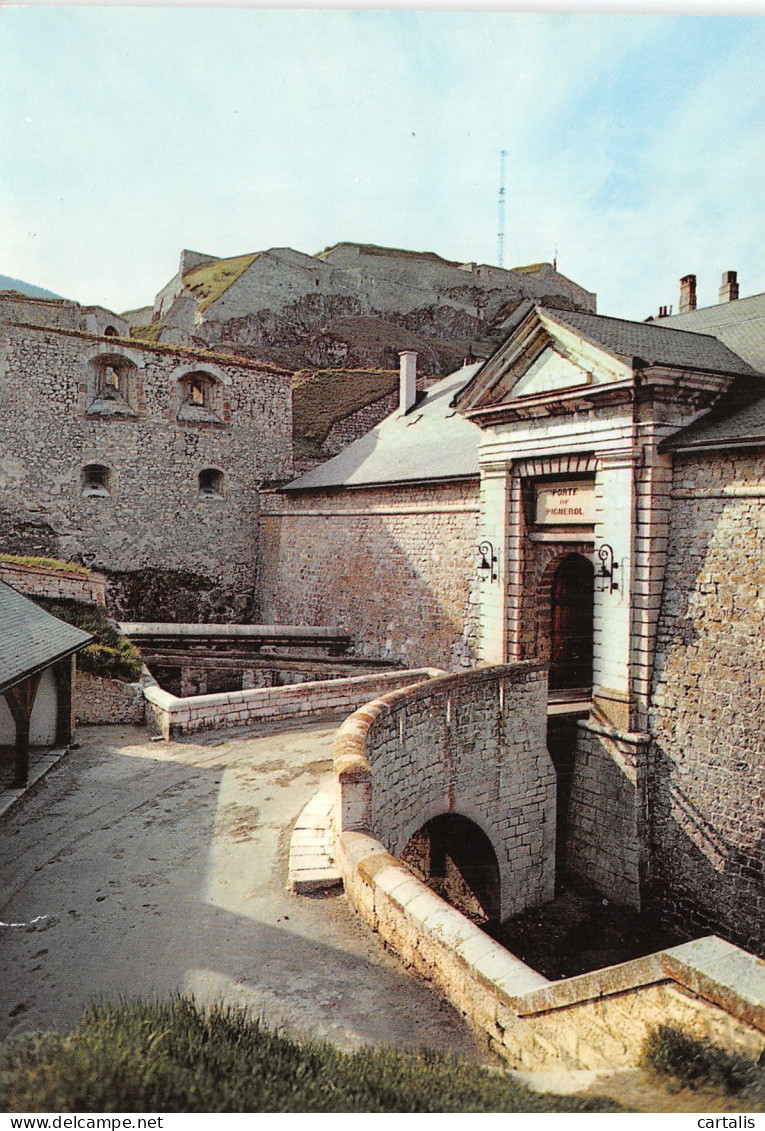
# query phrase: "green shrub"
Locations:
[[111, 655], [122, 662], [173, 1057], [694, 1062]]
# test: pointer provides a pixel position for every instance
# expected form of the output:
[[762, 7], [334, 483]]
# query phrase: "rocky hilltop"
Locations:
[[351, 306]]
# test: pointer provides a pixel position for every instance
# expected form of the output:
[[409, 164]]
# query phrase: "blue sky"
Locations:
[[636, 143]]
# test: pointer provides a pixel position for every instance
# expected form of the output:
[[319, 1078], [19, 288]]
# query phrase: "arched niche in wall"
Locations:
[[210, 483], [200, 397], [112, 386]]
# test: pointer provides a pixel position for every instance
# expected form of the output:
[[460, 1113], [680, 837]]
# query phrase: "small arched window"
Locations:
[[210, 483], [111, 332], [96, 480], [112, 386], [200, 398], [197, 389]]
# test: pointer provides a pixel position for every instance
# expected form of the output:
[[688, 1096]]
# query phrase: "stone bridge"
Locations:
[[453, 776]]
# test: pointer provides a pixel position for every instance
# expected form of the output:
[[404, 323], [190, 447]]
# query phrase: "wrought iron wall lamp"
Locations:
[[488, 561], [608, 567]]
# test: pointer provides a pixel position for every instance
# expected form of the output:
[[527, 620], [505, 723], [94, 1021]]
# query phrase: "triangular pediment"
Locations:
[[541, 359], [552, 370]]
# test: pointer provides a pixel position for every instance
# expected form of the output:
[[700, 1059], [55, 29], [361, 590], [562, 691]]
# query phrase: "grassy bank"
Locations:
[[174, 1057]]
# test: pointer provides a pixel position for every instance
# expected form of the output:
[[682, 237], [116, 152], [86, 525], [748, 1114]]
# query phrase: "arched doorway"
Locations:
[[456, 859], [571, 617]]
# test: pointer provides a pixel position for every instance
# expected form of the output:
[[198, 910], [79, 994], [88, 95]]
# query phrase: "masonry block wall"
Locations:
[[108, 701], [174, 546], [471, 744], [605, 836], [708, 704], [394, 566], [45, 581]]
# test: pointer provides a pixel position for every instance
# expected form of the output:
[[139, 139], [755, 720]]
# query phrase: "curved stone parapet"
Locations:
[[599, 1020], [471, 744], [173, 717]]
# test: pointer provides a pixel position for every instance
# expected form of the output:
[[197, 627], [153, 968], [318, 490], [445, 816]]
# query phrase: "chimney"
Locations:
[[407, 380], [687, 294], [729, 286]]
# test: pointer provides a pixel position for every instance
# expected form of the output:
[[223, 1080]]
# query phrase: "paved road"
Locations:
[[163, 867]]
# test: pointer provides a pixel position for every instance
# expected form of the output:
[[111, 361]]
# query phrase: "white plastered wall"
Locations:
[[495, 529], [42, 725], [614, 490]]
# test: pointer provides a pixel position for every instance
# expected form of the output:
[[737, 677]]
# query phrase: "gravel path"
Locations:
[[153, 867]]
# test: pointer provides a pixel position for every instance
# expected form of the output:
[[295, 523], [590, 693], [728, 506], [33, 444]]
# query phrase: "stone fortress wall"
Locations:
[[173, 520], [707, 772], [62, 313], [397, 282], [395, 566]]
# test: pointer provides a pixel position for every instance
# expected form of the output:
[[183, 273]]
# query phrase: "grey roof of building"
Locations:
[[31, 638], [431, 441], [740, 324], [730, 424], [655, 343]]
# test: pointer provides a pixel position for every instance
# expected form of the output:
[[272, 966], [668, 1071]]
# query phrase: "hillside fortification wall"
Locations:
[[143, 462]]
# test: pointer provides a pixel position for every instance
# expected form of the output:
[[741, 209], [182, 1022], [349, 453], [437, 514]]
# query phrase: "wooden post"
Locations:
[[64, 675], [21, 700]]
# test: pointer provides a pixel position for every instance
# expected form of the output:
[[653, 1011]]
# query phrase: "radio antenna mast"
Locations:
[[501, 233]]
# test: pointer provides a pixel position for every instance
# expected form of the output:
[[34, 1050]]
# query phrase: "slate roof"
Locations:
[[727, 426], [30, 638], [740, 324], [431, 442], [654, 343]]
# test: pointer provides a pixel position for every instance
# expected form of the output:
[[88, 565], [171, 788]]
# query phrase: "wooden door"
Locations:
[[571, 615]]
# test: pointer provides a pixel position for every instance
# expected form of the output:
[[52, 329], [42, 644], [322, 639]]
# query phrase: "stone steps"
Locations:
[[312, 864]]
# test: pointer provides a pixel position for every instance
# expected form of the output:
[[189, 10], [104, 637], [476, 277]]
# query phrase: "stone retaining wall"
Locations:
[[606, 839], [595, 1021], [104, 701], [173, 717], [44, 581]]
